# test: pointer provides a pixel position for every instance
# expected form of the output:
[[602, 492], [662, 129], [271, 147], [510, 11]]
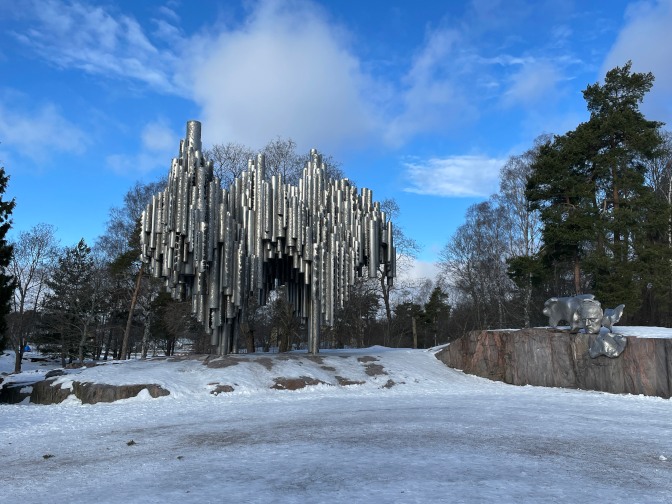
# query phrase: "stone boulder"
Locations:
[[295, 383], [556, 358], [92, 393], [14, 393], [45, 392]]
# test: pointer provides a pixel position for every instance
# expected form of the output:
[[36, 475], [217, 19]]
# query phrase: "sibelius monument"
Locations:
[[216, 246]]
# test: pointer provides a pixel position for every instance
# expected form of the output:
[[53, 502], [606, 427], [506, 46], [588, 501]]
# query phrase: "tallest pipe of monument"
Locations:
[[216, 246]]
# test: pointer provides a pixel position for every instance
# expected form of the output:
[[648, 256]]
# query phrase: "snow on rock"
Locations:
[[642, 331], [637, 331]]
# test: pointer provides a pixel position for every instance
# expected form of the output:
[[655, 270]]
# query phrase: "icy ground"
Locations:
[[442, 436]]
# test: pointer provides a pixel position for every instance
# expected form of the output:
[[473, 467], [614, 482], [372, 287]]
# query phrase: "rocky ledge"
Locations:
[[555, 358], [47, 392]]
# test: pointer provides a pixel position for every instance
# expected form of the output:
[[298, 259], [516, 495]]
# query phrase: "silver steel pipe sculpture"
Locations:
[[216, 246]]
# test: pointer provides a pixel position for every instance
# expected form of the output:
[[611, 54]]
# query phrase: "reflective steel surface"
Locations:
[[216, 246]]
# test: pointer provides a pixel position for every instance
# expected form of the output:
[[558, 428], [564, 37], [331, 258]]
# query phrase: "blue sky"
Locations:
[[422, 101]]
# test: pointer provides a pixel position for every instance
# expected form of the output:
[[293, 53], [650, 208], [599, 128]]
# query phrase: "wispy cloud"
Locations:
[[77, 35], [36, 132], [159, 144], [169, 13], [422, 269], [289, 69], [431, 96], [158, 136], [532, 83], [459, 176], [646, 39]]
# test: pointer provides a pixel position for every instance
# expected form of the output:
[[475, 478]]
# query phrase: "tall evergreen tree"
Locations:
[[562, 188], [7, 282], [436, 312], [632, 221], [589, 185], [75, 299]]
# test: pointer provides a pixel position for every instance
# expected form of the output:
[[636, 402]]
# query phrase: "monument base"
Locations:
[[556, 358]]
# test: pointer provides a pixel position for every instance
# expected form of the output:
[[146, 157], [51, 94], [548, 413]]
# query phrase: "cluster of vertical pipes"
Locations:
[[217, 246]]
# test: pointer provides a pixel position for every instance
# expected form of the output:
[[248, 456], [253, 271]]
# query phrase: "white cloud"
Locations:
[[35, 133], [159, 145], [532, 83], [89, 38], [422, 269], [432, 97], [169, 13], [646, 39], [454, 176], [138, 165], [157, 136], [286, 71]]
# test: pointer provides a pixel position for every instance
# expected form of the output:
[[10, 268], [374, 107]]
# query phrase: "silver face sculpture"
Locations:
[[217, 246], [586, 312], [609, 345], [590, 314]]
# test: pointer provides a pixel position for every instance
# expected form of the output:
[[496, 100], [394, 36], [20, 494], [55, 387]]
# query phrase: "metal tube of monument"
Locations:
[[216, 246]]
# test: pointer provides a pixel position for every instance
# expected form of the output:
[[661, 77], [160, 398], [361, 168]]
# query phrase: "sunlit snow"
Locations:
[[441, 436]]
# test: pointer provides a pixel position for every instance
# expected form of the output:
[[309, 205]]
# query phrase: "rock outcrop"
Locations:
[[92, 393], [556, 358], [295, 383], [14, 393], [45, 392]]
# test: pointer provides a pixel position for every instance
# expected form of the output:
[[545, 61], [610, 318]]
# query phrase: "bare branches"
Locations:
[[229, 160]]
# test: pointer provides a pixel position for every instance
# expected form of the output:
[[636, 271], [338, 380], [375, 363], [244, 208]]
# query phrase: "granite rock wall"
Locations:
[[555, 358]]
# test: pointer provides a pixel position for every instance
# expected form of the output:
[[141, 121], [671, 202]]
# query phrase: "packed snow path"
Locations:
[[446, 437]]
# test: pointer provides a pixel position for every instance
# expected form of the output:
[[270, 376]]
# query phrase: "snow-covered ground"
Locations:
[[442, 436]]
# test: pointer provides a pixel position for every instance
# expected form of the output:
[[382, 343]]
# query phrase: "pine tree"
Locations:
[[632, 222], [75, 299], [562, 188], [7, 282], [589, 186], [436, 311]]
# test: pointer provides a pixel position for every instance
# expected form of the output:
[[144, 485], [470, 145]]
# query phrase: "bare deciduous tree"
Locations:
[[474, 262], [35, 253], [229, 160], [524, 232], [407, 251]]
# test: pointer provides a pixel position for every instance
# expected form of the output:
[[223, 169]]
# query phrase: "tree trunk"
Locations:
[[284, 342], [18, 356], [82, 341], [388, 312], [249, 337], [415, 334], [577, 274], [62, 349], [145, 335], [124, 346], [528, 298], [107, 345]]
